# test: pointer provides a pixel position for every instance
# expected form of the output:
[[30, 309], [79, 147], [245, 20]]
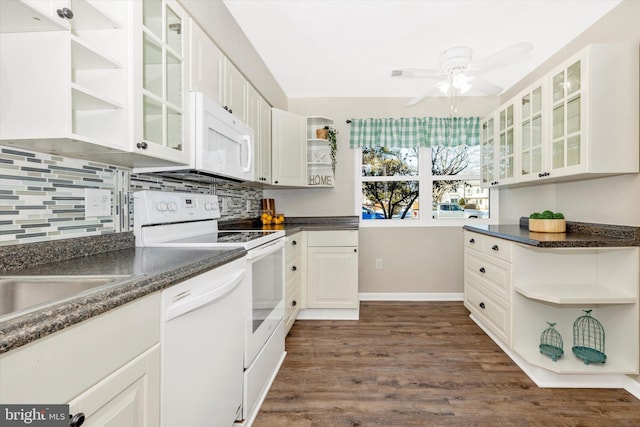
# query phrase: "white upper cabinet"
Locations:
[[498, 139], [234, 90], [159, 96], [289, 149], [65, 92], [579, 121], [258, 116], [532, 151], [204, 65]]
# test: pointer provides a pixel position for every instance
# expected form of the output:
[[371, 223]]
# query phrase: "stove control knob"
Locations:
[[172, 206], [161, 206], [208, 206]]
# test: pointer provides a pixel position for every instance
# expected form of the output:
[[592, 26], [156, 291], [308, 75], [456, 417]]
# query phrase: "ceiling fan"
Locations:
[[459, 72]]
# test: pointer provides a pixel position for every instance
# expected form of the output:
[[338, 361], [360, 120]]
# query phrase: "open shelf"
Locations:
[[85, 57], [84, 99], [90, 15], [575, 294], [570, 364]]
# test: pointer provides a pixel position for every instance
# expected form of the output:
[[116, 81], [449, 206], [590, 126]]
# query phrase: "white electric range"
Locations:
[[184, 220]]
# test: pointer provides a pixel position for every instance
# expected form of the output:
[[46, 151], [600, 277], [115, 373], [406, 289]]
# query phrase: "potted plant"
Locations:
[[333, 146], [547, 222]]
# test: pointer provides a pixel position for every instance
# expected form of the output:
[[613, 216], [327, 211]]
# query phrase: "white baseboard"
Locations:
[[329, 314], [411, 296], [546, 379]]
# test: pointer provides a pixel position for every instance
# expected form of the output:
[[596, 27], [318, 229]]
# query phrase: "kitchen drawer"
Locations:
[[292, 302], [292, 268], [493, 312], [293, 246], [499, 248], [473, 240], [332, 238], [489, 272]]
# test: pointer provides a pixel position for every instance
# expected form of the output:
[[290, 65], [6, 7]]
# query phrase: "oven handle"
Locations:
[[263, 251]]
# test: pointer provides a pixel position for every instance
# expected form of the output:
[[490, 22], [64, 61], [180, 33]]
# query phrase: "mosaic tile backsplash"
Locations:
[[42, 196]]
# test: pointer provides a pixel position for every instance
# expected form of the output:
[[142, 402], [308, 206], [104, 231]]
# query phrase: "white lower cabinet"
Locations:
[[514, 290], [332, 269], [106, 367], [487, 282], [293, 278], [126, 398]]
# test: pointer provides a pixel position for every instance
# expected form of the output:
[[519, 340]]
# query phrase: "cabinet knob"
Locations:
[[65, 13], [142, 145], [495, 248], [482, 270], [294, 303], [77, 420], [482, 305], [472, 240], [275, 182], [355, 250], [293, 243], [294, 268]]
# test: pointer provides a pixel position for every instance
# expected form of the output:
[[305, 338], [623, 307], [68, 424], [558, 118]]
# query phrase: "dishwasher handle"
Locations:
[[189, 303]]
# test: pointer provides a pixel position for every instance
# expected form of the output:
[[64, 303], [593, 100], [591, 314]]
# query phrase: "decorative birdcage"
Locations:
[[551, 342], [588, 339]]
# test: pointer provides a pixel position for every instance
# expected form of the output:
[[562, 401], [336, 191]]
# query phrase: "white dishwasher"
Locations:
[[202, 344]]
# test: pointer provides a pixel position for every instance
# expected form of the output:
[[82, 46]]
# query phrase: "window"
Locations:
[[422, 186]]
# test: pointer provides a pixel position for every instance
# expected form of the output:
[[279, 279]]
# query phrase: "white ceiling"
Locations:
[[347, 48]]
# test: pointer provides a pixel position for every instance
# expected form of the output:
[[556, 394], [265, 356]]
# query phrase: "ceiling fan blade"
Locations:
[[431, 92], [416, 72], [497, 59], [485, 87]]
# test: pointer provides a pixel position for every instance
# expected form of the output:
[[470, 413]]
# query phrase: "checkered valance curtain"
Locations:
[[415, 132]]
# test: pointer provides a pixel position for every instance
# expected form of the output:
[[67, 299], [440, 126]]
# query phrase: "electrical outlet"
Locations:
[[248, 207], [225, 205], [97, 202], [378, 263]]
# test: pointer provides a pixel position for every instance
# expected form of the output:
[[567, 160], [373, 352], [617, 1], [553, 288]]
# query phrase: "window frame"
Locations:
[[425, 180]]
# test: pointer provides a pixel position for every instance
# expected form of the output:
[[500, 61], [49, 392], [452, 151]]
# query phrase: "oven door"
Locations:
[[266, 308]]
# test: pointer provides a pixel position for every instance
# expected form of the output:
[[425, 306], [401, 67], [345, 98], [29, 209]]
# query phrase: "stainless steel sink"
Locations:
[[18, 293]]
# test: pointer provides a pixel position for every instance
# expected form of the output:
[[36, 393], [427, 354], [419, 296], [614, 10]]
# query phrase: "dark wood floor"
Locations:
[[420, 364]]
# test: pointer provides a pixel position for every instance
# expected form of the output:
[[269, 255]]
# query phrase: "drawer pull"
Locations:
[[482, 270], [495, 248], [482, 305], [293, 303], [472, 240], [294, 268]]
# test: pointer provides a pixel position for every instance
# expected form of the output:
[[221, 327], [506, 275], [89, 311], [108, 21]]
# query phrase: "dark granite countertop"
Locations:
[[147, 269], [578, 235]]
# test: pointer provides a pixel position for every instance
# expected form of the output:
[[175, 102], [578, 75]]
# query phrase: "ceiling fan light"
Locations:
[[462, 83], [443, 87]]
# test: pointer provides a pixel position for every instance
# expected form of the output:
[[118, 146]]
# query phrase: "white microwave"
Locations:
[[224, 145]]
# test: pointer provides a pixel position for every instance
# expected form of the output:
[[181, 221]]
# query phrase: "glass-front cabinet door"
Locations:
[[159, 84], [487, 149], [532, 148], [506, 144], [567, 154]]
